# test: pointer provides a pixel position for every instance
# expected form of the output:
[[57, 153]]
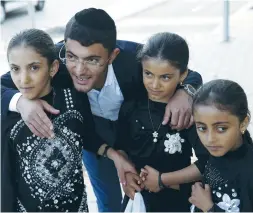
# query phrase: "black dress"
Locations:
[[230, 178], [171, 152], [46, 174]]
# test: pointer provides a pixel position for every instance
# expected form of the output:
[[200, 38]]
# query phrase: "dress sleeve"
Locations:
[[92, 141], [8, 174], [200, 151], [123, 131]]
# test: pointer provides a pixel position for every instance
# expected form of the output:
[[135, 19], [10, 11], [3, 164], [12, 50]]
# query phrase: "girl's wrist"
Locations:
[[160, 181], [209, 207]]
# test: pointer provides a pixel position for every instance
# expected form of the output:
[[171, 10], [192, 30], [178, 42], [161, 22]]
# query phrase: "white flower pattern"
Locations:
[[173, 144], [229, 205]]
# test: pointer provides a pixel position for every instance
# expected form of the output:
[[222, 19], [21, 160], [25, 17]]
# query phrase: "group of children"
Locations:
[[220, 180]]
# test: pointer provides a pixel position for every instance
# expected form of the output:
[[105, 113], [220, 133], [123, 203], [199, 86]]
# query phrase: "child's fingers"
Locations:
[[144, 171], [207, 187], [136, 187], [143, 178]]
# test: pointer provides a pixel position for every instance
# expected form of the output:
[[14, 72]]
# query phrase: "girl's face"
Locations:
[[30, 72], [160, 79], [219, 131]]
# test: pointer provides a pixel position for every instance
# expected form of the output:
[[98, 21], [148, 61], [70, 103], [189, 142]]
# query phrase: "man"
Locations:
[[95, 63]]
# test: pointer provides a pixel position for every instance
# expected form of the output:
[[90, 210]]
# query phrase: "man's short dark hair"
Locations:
[[90, 26]]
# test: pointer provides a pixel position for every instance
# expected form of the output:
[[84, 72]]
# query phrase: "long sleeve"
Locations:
[[92, 142], [8, 89], [8, 183]]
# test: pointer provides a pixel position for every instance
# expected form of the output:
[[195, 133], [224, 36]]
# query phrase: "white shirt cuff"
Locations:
[[14, 101]]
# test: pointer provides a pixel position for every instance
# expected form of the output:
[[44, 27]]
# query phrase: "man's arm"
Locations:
[[179, 109]]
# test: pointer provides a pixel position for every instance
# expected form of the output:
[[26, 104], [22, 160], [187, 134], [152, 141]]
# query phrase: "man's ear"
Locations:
[[113, 55], [54, 68], [183, 76], [244, 125]]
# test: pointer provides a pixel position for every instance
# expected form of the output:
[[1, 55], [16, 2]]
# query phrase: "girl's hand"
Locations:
[[201, 197], [151, 179], [134, 184], [143, 174]]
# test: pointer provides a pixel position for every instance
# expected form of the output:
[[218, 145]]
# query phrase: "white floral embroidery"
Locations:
[[173, 144], [229, 205]]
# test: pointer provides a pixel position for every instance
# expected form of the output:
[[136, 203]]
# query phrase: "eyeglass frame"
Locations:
[[77, 60]]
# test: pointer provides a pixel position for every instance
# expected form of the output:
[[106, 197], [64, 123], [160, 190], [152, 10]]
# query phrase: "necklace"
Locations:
[[155, 133]]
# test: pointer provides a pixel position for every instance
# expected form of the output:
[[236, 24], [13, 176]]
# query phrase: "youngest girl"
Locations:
[[221, 114]]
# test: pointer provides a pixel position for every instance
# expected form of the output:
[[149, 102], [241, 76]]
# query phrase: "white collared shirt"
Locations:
[[106, 103]]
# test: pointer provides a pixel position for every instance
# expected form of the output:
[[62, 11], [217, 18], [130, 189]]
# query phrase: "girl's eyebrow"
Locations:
[[13, 65], [35, 62], [214, 124], [167, 74], [160, 75]]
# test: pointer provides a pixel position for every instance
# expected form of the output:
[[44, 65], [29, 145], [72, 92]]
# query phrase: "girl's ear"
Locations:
[[244, 125], [183, 76], [54, 68]]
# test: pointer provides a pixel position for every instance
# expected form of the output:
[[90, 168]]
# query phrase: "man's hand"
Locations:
[[179, 110], [134, 184], [149, 177], [122, 164], [201, 197], [32, 112]]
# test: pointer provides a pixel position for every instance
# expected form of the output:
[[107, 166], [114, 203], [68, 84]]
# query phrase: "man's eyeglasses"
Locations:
[[92, 63]]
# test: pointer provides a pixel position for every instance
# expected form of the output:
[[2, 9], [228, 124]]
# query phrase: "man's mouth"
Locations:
[[82, 80]]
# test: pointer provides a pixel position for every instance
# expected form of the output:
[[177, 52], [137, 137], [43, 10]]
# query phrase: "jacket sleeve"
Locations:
[[193, 78], [8, 90]]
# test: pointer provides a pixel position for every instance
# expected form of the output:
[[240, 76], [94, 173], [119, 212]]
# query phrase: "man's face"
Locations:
[[86, 65]]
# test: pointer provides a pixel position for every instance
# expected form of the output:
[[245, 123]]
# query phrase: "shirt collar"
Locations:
[[110, 76]]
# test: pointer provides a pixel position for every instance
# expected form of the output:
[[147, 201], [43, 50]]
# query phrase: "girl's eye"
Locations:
[[166, 78], [201, 128], [148, 74], [14, 69], [221, 129], [34, 68]]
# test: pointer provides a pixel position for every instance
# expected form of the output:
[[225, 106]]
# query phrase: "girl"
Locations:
[[221, 115], [40, 174], [143, 138]]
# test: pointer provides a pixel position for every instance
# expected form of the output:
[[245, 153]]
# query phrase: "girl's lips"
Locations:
[[155, 92], [214, 148], [26, 89]]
